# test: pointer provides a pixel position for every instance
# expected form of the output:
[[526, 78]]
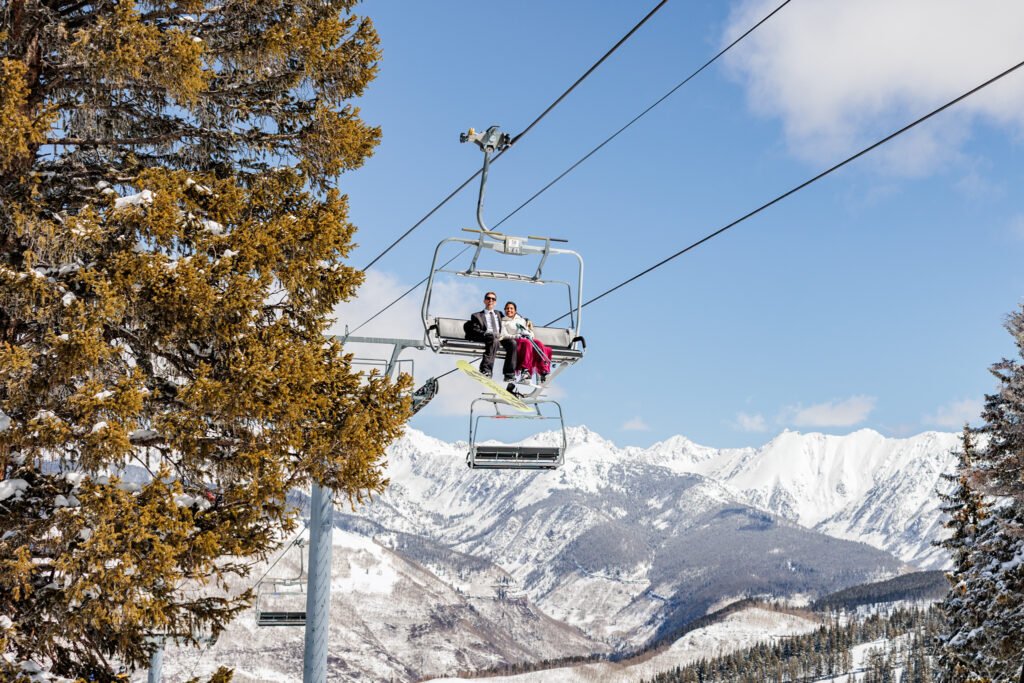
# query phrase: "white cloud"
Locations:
[[637, 424], [955, 413], [750, 423], [403, 318], [976, 186], [831, 413], [403, 321], [841, 74]]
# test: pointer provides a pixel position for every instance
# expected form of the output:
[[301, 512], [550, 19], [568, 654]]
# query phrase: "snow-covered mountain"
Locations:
[[624, 544], [453, 569], [862, 486]]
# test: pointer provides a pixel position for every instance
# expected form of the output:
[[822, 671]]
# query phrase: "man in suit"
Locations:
[[485, 326]]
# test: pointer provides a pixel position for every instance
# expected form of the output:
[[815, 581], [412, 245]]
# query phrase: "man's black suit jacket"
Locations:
[[476, 328]]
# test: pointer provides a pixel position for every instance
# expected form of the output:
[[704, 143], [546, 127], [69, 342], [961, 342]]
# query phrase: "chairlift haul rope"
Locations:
[[801, 186], [578, 162], [519, 137]]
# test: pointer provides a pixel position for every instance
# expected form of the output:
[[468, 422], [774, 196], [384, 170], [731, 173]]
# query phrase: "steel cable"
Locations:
[[645, 111], [519, 137], [591, 152], [798, 187]]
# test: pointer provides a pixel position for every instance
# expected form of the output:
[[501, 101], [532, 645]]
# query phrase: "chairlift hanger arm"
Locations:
[[490, 141]]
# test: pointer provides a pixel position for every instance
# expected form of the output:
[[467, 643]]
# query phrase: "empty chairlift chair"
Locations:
[[282, 601], [515, 456]]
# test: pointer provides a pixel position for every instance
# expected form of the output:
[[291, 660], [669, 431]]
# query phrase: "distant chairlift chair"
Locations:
[[393, 365], [514, 457], [278, 599]]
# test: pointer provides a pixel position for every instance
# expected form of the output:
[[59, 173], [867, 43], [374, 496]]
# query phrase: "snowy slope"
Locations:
[[736, 631], [390, 619]]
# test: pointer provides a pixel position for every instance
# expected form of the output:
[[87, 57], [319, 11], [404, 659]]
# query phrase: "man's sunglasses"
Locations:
[[489, 298]]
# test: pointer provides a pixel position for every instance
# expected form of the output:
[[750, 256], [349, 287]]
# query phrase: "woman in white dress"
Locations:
[[529, 361]]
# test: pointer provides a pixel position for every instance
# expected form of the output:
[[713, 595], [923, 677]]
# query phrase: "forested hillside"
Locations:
[[902, 636], [917, 586]]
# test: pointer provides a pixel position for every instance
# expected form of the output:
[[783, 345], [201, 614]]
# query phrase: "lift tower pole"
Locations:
[[318, 596], [321, 532]]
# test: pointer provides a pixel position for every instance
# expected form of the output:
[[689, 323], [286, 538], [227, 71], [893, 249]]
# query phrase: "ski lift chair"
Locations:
[[282, 601], [448, 335], [513, 457]]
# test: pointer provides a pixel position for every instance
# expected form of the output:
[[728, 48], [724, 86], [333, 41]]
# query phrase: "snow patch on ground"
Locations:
[[737, 631], [370, 567]]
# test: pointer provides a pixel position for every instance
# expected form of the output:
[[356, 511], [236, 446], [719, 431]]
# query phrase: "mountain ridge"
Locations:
[[861, 486]]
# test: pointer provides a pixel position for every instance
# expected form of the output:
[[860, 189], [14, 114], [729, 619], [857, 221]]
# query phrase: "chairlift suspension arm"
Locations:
[[490, 141]]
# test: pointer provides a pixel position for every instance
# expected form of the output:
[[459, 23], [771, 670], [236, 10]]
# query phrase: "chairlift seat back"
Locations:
[[450, 334], [500, 456], [281, 619]]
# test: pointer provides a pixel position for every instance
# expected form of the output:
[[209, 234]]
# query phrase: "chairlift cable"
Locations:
[[518, 137], [800, 186], [405, 294], [579, 80], [582, 159], [645, 111]]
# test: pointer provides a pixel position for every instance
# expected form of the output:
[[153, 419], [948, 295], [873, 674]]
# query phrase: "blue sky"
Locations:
[[874, 298]]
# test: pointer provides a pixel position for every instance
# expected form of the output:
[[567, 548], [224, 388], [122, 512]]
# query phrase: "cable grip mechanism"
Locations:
[[489, 141]]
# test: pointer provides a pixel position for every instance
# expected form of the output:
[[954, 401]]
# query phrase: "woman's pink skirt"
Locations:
[[529, 359]]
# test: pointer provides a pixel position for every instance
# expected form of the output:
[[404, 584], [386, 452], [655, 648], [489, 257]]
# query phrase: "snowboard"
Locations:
[[498, 390]]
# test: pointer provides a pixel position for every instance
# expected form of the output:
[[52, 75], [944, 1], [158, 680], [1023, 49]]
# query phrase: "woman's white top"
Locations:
[[515, 327]]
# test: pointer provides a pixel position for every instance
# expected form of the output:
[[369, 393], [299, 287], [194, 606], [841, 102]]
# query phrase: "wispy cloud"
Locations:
[[839, 74], [637, 424], [750, 423], [831, 413], [975, 186], [955, 413]]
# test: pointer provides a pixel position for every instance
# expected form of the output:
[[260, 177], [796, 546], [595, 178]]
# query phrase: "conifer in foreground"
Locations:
[[967, 513], [171, 247], [984, 637]]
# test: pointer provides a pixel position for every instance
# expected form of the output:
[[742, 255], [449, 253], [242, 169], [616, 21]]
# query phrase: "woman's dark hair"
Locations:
[[513, 306]]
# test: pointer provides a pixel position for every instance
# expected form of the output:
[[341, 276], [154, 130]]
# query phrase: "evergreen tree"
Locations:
[[1001, 469], [987, 604], [171, 248], [966, 512]]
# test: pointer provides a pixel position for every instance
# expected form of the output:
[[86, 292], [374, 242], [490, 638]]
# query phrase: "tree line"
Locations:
[[828, 652]]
